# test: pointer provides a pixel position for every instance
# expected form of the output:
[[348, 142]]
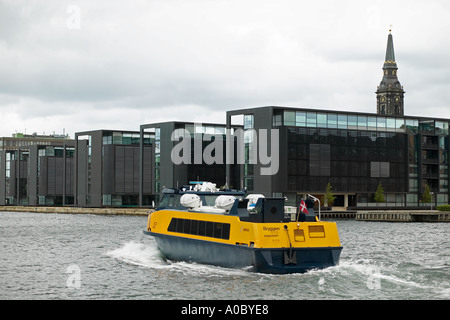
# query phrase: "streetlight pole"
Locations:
[[315, 199]]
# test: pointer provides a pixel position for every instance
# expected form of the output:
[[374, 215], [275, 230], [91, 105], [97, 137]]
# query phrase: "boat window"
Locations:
[[210, 200], [164, 201], [187, 225], [194, 227], [209, 229], [170, 201], [201, 228]]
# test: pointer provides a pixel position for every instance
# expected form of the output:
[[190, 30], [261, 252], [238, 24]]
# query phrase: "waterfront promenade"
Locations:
[[361, 215], [79, 210], [391, 215]]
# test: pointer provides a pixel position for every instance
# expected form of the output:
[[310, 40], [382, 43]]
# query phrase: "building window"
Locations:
[[426, 126], [412, 126], [248, 121], [413, 185], [322, 120], [248, 183], [379, 169], [277, 120], [332, 121], [300, 119], [443, 185], [342, 121], [157, 158], [362, 123], [400, 125], [319, 159], [381, 123], [411, 199], [311, 119], [390, 124], [441, 127], [352, 122], [117, 137], [107, 138], [289, 118]]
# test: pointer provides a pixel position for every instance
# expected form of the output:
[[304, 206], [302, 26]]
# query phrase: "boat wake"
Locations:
[[365, 279], [140, 254], [351, 279], [147, 255]]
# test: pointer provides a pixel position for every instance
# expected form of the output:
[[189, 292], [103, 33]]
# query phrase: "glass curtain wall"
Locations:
[[413, 151]]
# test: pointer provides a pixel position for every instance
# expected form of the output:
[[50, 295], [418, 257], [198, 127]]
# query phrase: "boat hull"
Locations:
[[264, 260]]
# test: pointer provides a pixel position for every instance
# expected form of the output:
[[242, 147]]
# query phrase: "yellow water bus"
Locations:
[[230, 229]]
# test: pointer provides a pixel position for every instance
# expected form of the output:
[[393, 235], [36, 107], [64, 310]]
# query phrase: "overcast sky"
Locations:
[[87, 65]]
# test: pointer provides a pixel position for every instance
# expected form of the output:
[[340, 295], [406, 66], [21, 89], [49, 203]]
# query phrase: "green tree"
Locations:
[[426, 196], [329, 196], [379, 194]]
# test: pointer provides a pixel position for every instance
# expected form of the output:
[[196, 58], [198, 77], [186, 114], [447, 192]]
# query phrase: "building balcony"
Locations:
[[430, 176], [426, 160], [430, 146]]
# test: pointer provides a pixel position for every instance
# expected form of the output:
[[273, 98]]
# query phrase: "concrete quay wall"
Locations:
[[392, 216], [79, 210], [404, 216]]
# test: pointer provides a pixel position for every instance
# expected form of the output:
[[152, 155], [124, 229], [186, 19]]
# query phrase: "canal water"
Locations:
[[69, 256]]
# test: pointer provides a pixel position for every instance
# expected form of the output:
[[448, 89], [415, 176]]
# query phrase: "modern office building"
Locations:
[[99, 168], [187, 151], [352, 151], [107, 168], [272, 150], [36, 170]]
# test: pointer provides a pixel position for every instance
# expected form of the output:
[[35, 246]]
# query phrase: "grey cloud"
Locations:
[[152, 56]]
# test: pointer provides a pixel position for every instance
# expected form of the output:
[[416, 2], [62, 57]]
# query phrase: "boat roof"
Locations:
[[205, 188]]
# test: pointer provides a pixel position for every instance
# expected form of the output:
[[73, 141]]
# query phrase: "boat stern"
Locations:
[[296, 247]]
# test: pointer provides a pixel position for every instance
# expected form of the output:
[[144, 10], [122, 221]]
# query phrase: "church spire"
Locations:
[[390, 91], [389, 60]]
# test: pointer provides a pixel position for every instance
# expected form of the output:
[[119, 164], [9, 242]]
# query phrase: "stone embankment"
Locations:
[[375, 215], [404, 216], [79, 210], [391, 215]]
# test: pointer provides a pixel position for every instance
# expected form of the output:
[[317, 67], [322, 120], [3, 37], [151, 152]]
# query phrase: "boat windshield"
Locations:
[[172, 200]]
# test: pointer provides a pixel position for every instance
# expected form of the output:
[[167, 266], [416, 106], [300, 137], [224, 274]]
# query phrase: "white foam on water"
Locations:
[[206, 270], [148, 255], [385, 274], [350, 277], [144, 255]]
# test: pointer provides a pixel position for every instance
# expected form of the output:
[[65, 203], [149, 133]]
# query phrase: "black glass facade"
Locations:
[[187, 151], [352, 161], [108, 168], [354, 152]]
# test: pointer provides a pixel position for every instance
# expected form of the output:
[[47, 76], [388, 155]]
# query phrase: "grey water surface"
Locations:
[[73, 256]]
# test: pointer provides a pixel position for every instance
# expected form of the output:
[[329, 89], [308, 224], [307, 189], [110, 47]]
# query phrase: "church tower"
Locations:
[[390, 92]]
